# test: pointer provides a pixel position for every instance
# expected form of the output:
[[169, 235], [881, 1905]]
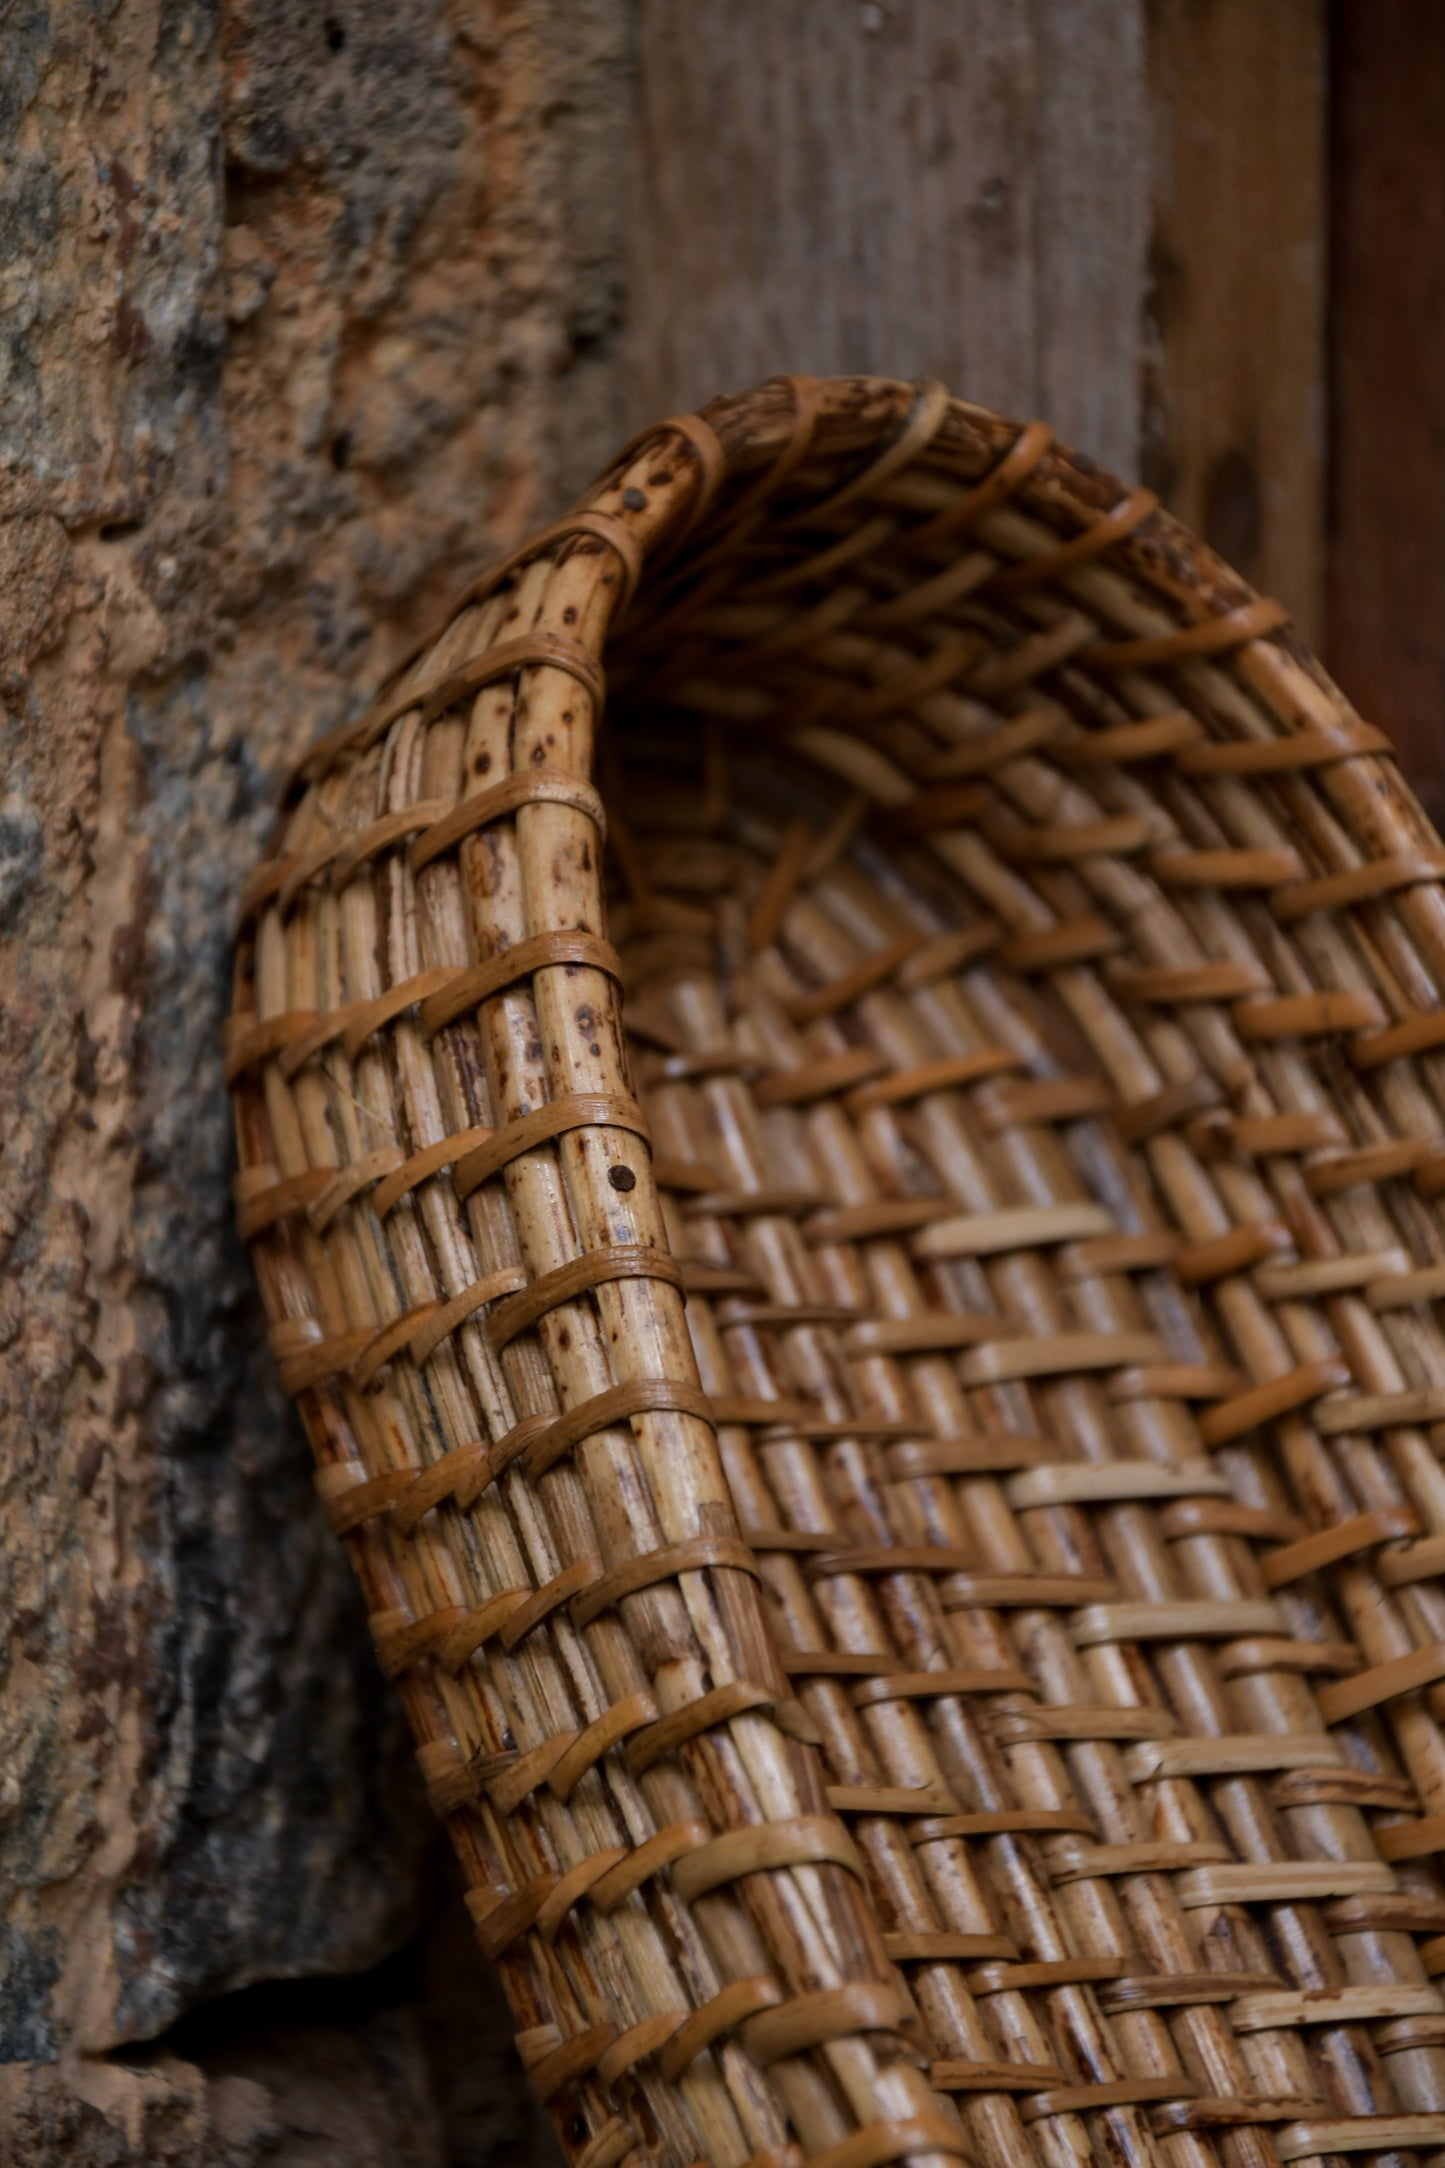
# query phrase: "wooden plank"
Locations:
[[1386, 637], [953, 188], [1235, 422], [1092, 145]]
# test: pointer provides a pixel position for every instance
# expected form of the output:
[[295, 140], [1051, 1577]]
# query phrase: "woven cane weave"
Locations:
[[900, 1495]]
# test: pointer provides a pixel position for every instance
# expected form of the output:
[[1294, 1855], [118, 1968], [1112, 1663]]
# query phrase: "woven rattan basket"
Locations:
[[901, 1496]]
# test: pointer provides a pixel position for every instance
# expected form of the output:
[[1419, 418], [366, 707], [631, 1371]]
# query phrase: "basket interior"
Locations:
[[998, 1063], [1131, 1519]]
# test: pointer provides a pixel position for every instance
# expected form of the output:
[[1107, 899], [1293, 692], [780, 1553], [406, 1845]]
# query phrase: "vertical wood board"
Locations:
[[951, 188], [1235, 408], [1386, 637]]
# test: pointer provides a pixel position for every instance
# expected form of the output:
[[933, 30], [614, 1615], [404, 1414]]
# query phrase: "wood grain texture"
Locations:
[[1235, 429], [954, 188], [1387, 529]]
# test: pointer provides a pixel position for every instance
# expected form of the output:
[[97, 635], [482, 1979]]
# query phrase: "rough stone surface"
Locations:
[[305, 310], [410, 2066]]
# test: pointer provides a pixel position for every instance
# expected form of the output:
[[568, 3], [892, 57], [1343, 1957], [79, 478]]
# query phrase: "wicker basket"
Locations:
[[963, 1686]]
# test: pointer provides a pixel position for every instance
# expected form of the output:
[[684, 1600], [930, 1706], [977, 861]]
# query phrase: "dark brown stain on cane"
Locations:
[[622, 1178], [587, 1023], [634, 500]]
